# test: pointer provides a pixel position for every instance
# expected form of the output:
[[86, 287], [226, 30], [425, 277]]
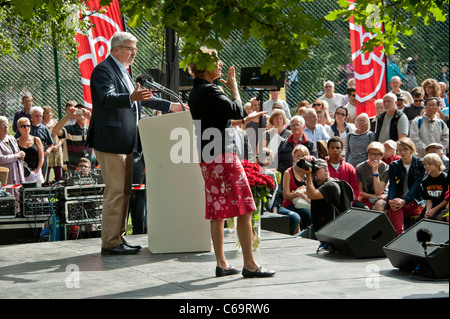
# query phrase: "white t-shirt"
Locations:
[[334, 102]]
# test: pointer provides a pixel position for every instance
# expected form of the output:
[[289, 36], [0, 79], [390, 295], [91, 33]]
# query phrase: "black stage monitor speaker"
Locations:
[[358, 232], [407, 253], [251, 78]]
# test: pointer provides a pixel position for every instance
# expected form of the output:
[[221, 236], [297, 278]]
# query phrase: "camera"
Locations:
[[305, 165], [78, 111]]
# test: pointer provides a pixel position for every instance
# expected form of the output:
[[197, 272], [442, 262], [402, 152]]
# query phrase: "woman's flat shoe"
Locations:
[[260, 272], [220, 272]]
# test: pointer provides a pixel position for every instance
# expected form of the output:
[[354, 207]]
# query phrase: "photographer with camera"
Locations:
[[329, 196], [75, 135]]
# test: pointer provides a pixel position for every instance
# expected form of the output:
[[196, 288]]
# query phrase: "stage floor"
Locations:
[[46, 271]]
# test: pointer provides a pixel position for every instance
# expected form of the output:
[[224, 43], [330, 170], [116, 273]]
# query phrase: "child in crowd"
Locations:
[[434, 187]]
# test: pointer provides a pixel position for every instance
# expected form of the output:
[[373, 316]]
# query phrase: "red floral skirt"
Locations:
[[227, 191]]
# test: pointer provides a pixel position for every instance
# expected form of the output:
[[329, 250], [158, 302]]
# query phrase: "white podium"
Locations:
[[175, 187]]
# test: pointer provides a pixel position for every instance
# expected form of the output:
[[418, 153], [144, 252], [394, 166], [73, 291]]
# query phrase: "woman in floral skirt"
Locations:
[[227, 190]]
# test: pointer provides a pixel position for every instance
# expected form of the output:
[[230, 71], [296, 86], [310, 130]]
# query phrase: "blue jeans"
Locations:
[[295, 216]]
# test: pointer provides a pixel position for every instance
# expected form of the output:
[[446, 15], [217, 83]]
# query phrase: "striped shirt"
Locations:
[[76, 139]]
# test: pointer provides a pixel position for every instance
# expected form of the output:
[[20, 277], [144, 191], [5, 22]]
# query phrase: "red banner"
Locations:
[[369, 69], [94, 47]]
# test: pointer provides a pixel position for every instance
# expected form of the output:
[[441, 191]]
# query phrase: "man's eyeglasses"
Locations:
[[131, 49]]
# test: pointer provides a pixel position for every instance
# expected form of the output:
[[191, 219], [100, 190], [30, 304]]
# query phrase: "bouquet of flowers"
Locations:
[[260, 185]]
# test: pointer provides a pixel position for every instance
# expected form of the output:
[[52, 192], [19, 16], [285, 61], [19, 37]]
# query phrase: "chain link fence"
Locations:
[[35, 73]]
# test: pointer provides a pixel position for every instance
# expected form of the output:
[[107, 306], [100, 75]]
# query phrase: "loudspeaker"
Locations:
[[406, 253], [186, 80], [358, 232], [251, 77]]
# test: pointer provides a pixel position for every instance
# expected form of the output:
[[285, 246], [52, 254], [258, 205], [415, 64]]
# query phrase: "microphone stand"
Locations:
[[163, 89]]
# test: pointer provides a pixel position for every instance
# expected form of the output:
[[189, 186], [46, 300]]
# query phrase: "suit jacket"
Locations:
[[113, 124]]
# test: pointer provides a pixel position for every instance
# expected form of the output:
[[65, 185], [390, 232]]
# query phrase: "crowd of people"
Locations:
[[38, 144], [395, 161]]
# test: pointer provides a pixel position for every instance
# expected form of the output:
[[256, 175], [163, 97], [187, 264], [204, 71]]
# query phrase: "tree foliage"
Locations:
[[285, 32], [390, 18]]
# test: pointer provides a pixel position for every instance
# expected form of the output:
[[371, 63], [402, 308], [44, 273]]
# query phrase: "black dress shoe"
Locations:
[[220, 272], [260, 272], [119, 250], [125, 243]]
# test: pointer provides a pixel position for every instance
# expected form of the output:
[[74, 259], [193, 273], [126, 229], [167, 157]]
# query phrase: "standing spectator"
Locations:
[[395, 84], [412, 65], [392, 124], [429, 128], [393, 69], [55, 157], [333, 99], [75, 135], [268, 105], [443, 95], [373, 176], [415, 109], [27, 102], [253, 129], [443, 75], [11, 157], [405, 179], [33, 149], [434, 187], [358, 141]]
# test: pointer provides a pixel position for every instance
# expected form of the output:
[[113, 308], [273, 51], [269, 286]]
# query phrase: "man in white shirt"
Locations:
[[334, 99], [268, 105], [351, 105], [314, 132], [429, 128]]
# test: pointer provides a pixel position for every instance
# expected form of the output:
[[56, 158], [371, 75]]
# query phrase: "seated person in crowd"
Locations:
[[405, 180], [278, 130], [314, 131], [340, 169], [439, 150], [415, 108], [297, 137], [373, 176], [429, 128], [358, 140], [434, 187], [392, 124], [294, 187], [75, 135], [390, 152]]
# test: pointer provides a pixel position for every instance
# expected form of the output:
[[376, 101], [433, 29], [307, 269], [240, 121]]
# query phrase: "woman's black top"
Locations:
[[31, 155], [212, 112]]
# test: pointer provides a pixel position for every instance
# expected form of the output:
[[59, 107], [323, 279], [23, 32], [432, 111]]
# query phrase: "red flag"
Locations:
[[369, 69], [94, 47]]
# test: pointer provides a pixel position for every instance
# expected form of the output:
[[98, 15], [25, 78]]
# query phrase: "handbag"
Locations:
[[26, 169]]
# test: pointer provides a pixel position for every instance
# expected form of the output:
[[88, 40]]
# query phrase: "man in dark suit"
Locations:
[[113, 135]]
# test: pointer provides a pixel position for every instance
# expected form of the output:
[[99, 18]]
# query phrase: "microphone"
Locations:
[[424, 237], [148, 81]]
